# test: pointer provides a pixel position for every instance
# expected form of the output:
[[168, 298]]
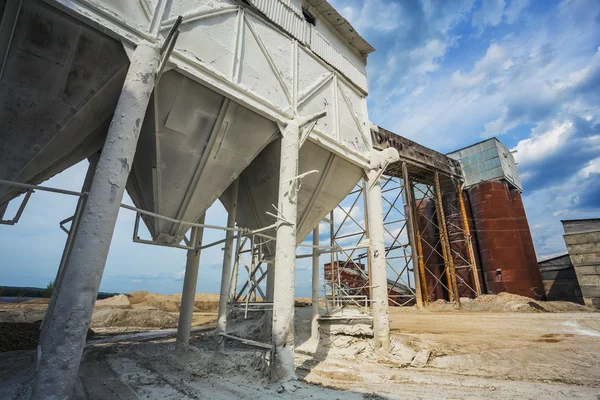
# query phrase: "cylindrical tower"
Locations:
[[504, 240]]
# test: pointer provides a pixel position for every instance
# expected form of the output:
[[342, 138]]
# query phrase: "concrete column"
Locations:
[[314, 330], [379, 301], [226, 274], [58, 281], [188, 295], [285, 253], [60, 356]]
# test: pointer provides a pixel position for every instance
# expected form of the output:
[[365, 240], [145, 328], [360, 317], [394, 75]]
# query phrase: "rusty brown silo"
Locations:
[[504, 240], [535, 276]]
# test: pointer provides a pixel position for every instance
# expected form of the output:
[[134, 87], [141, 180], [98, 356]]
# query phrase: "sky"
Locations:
[[446, 74]]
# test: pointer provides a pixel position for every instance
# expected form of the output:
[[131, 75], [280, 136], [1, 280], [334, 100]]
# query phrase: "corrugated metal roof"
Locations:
[[342, 26]]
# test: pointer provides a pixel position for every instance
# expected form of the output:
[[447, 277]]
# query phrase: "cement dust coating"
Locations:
[[474, 355]]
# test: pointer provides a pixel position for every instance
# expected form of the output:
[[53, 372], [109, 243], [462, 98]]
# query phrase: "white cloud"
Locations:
[[490, 13]]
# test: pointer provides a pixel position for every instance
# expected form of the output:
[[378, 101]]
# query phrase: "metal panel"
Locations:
[[487, 161]]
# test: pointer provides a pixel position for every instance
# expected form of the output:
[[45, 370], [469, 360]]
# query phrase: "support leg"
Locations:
[[60, 356], [227, 253], [411, 225], [379, 301], [285, 259], [314, 331], [58, 281], [188, 295], [285, 253]]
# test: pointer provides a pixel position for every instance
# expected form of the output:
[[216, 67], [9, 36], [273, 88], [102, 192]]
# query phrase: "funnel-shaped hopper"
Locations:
[[59, 88], [194, 143], [319, 193]]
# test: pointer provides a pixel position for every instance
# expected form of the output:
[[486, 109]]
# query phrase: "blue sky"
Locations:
[[525, 71]]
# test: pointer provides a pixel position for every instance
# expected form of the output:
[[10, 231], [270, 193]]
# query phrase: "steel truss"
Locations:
[[429, 251]]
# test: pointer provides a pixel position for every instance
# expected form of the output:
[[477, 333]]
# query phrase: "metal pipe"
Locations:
[[226, 273], [60, 355], [314, 331], [331, 268], [42, 188], [410, 224], [468, 239], [190, 224], [188, 294]]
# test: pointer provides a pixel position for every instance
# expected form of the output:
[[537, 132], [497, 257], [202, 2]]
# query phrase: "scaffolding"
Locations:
[[428, 245]]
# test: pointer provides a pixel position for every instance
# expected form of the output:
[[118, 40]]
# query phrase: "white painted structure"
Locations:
[[233, 89]]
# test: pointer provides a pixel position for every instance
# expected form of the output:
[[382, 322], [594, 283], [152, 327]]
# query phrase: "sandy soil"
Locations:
[[511, 350], [473, 355]]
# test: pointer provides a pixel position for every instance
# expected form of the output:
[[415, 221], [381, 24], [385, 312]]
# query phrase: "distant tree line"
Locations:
[[16, 291]]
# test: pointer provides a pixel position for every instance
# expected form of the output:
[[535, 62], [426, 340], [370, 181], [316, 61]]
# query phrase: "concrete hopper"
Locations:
[[194, 143], [319, 192], [59, 85]]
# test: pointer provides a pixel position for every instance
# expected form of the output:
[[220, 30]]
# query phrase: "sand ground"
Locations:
[[473, 354]]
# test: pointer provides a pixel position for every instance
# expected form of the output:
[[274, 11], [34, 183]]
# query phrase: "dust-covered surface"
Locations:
[[439, 352], [135, 312]]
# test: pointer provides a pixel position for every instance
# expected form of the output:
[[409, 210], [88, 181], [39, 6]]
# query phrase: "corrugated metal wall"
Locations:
[[583, 242]]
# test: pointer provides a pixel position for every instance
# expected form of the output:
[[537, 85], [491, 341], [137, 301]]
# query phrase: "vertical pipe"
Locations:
[[379, 301], [446, 249], [226, 274], [467, 235], [60, 355], [58, 281], [314, 332], [285, 256], [410, 224], [331, 269], [366, 215], [234, 273], [188, 294], [269, 311], [423, 280]]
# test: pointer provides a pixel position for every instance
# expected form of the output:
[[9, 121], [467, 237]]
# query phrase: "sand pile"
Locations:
[[171, 303], [143, 319], [508, 302], [119, 301]]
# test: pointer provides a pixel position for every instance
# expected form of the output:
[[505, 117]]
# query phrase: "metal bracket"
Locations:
[[62, 223], [19, 211], [136, 237], [168, 46]]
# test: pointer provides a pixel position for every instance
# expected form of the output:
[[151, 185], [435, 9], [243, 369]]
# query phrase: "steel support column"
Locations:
[[412, 240], [468, 240], [227, 253], [314, 331], [60, 356], [446, 249], [188, 294], [58, 281], [379, 300]]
